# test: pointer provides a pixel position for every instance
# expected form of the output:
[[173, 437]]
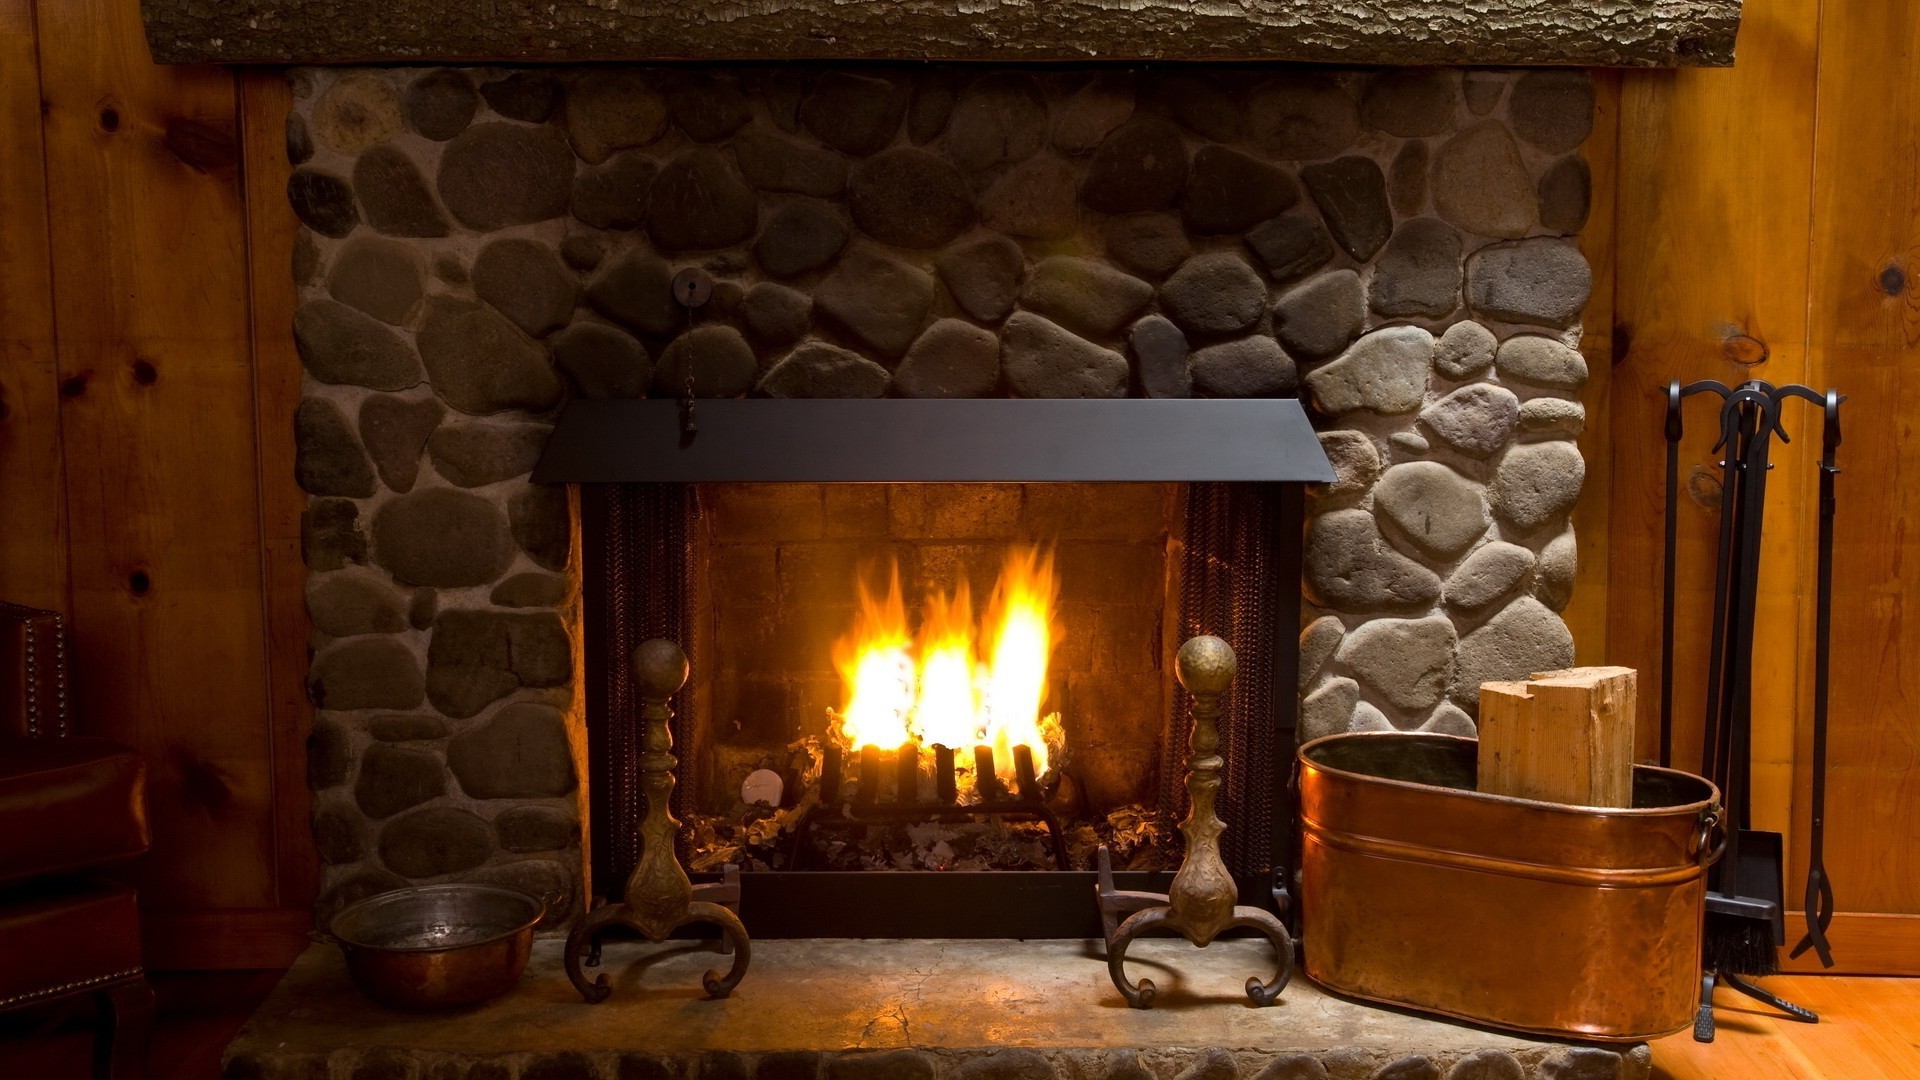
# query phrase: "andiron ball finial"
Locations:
[[659, 668], [1205, 665]]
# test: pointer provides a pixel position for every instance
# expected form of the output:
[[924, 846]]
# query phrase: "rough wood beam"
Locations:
[[1593, 33]]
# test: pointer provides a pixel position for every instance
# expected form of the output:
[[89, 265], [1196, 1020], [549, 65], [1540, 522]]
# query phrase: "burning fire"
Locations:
[[955, 684]]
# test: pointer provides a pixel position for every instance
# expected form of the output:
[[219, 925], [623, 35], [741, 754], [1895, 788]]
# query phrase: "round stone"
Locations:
[[354, 601], [1355, 460], [699, 202], [1566, 194], [1351, 193], [1201, 104], [522, 753], [496, 175], [999, 119], [322, 201], [934, 95], [1555, 416], [1005, 1065], [718, 359], [339, 835], [1407, 179], [1410, 102], [952, 358], [1293, 1067], [613, 195], [330, 535], [635, 288], [1476, 420], [306, 257], [776, 315], [1552, 109], [1043, 360], [441, 537], [892, 1065], [1351, 567], [440, 104], [909, 198], [1230, 192], [328, 461], [1537, 484], [1215, 293], [1526, 636], [542, 524], [1320, 317], [1152, 245], [477, 657], [983, 276], [299, 140], [384, 278], [482, 364], [394, 431], [1213, 1063], [1303, 117], [1441, 512], [1093, 112], [1037, 198], [329, 754], [1403, 661], [611, 109], [1542, 281], [1465, 350], [395, 195], [1450, 719], [536, 828], [819, 370], [1142, 165], [393, 779], [340, 345], [1290, 246], [773, 162], [1483, 90], [881, 301], [1317, 643], [1481, 185], [357, 111], [439, 840], [1553, 575], [525, 281], [1086, 296], [1486, 1064], [854, 114], [474, 453], [1542, 361], [1249, 367], [1411, 1067], [708, 106], [367, 673], [1328, 710], [525, 95], [582, 252], [799, 237], [1160, 355], [1418, 273], [602, 361]]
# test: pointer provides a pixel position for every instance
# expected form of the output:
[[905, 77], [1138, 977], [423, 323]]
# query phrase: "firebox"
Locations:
[[932, 645]]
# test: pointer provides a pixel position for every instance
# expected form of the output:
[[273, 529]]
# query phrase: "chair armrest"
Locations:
[[33, 673]]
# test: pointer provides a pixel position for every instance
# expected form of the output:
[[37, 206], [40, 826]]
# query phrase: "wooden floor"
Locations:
[[1869, 1030]]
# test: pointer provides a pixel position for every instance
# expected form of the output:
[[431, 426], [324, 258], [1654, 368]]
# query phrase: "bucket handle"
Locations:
[[1703, 849]]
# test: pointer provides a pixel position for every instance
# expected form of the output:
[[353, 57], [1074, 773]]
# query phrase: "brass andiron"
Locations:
[[659, 897], [1200, 904]]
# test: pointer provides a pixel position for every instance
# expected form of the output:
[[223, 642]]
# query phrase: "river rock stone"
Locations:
[[999, 119], [1410, 102], [1295, 1067], [1542, 361], [1439, 510], [440, 104], [477, 657], [530, 590], [1200, 104], [1213, 1063], [1475, 420], [340, 345], [613, 195], [1481, 185], [306, 257], [521, 753], [367, 673], [494, 175], [1451, 719], [525, 95], [699, 202], [542, 524], [891, 1065], [1350, 566], [776, 315], [1160, 355], [1303, 117], [1230, 192], [1151, 245], [525, 281], [1411, 1067], [1317, 643], [1005, 1065], [1038, 198], [1351, 193], [1566, 194], [437, 840], [482, 364], [384, 278], [1142, 165], [854, 114], [1093, 112], [1418, 273], [329, 754], [931, 106], [1483, 89], [1404, 661], [357, 111], [1464, 351], [983, 276], [1368, 717], [330, 535], [1538, 483], [323, 201], [536, 828], [609, 109], [799, 237], [952, 358], [635, 288], [602, 361], [909, 198], [1328, 710], [474, 453], [1485, 1064], [1355, 461], [1553, 575], [719, 359], [1087, 297], [708, 106], [1543, 281], [394, 431], [882, 301], [394, 778], [1290, 246], [819, 370], [441, 537], [1552, 109], [1043, 360], [299, 140], [773, 162], [1321, 317], [1525, 637], [1553, 416], [1487, 575], [339, 835], [1407, 179], [395, 195], [1253, 366], [354, 601], [328, 460], [1214, 293]]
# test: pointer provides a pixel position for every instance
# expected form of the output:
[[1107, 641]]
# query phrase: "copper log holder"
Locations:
[[660, 898], [1200, 904]]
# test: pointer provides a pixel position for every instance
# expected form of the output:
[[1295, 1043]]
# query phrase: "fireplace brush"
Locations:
[[1745, 906]]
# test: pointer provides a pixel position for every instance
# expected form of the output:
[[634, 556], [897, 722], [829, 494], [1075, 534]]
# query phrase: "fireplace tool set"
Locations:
[[1746, 904]]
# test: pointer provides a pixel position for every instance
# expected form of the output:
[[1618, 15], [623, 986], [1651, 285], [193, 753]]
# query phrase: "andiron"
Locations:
[[659, 898], [1200, 904]]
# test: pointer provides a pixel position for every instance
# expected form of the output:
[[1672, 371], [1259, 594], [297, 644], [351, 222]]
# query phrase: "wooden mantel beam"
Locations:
[[1592, 33]]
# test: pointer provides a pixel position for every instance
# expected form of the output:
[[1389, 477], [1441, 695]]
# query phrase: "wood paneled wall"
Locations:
[[147, 385]]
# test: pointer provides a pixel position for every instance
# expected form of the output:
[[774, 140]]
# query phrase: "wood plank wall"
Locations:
[[147, 384]]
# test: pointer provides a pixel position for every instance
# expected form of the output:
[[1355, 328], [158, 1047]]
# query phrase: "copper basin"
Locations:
[[437, 945], [1417, 890]]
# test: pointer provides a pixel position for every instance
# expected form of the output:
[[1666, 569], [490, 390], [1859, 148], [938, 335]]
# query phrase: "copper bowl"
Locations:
[[436, 946]]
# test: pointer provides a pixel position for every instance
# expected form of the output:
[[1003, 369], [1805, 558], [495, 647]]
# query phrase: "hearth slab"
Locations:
[[956, 1007]]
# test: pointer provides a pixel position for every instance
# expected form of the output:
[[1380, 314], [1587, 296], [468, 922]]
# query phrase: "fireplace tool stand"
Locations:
[[660, 899], [1200, 904]]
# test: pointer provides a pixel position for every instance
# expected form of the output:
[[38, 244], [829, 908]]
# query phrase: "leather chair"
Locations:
[[68, 807]]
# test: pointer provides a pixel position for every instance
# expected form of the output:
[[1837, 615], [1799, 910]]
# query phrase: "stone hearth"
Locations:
[[891, 1010]]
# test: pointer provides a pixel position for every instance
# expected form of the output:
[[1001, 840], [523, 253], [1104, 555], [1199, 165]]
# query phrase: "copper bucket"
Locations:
[[1417, 890]]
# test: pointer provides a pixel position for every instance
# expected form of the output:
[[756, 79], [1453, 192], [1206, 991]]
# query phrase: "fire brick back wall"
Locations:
[[481, 244]]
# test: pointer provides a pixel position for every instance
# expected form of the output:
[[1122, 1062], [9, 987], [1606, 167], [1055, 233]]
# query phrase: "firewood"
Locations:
[[1561, 736]]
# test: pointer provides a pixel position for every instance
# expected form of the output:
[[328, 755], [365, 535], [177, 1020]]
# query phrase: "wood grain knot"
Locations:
[[1744, 349], [144, 373], [1893, 280]]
